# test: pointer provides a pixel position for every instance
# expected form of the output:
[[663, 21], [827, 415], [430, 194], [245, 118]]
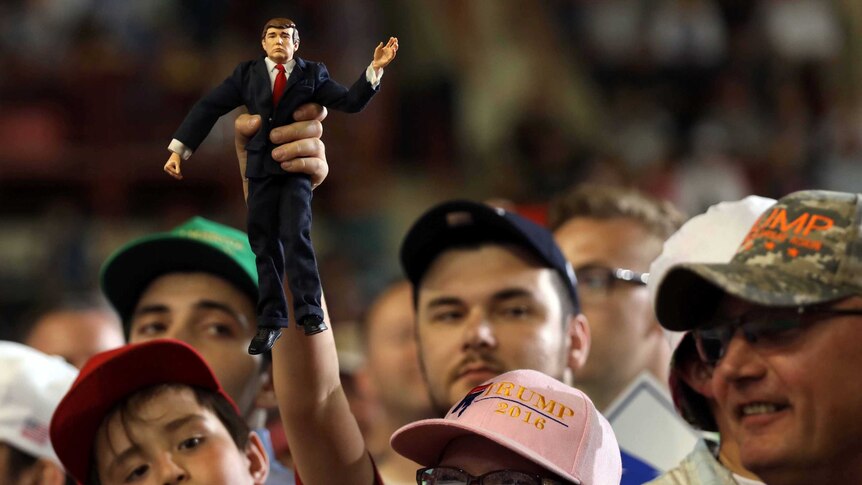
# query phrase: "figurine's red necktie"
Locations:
[[280, 84]]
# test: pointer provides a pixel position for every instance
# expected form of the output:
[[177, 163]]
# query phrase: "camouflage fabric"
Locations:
[[805, 249]]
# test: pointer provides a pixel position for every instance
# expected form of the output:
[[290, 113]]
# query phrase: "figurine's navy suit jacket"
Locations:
[[279, 203]]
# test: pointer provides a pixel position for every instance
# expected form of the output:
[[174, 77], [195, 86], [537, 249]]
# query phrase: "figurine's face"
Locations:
[[278, 44]]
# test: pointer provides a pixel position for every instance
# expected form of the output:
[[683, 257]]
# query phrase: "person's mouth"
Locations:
[[477, 372], [760, 413]]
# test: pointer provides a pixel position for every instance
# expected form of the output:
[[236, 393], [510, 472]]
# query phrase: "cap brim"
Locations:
[[690, 293], [424, 442], [132, 268], [80, 413]]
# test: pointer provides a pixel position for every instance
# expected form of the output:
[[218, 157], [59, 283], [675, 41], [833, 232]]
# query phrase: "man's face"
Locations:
[[76, 335], [278, 45], [393, 362], [211, 315], [793, 402], [171, 438], [486, 311], [625, 335]]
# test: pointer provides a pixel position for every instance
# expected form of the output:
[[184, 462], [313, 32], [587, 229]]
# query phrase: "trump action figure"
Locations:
[[279, 203]]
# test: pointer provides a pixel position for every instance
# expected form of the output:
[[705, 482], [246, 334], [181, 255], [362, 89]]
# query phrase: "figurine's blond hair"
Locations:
[[281, 23]]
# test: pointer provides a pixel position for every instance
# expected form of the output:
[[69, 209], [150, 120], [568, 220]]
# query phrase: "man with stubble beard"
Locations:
[[493, 293]]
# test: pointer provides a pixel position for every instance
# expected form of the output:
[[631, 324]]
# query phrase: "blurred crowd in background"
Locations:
[[696, 101]]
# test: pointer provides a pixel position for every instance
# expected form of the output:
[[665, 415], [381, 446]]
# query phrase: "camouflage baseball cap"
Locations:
[[806, 249], [197, 245]]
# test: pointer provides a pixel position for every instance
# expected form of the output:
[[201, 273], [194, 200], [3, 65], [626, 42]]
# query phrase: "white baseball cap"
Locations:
[[536, 416], [31, 386], [711, 237]]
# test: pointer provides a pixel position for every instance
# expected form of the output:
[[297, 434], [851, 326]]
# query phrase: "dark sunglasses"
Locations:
[[444, 475], [601, 279], [763, 327]]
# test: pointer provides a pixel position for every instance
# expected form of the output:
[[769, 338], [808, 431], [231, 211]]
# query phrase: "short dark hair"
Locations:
[[233, 422], [281, 23], [659, 217]]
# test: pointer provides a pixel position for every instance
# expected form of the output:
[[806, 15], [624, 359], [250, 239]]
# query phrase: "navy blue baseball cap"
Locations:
[[463, 222]]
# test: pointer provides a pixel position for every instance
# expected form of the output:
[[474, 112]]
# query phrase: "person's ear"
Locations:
[[698, 375], [578, 334], [265, 398], [295, 46], [258, 461]]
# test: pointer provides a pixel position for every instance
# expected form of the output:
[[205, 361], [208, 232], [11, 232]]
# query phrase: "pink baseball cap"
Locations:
[[538, 417]]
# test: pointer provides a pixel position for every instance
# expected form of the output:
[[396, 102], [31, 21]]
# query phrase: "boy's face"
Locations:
[[170, 438]]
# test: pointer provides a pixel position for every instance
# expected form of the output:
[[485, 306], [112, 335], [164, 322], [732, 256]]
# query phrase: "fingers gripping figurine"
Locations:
[[279, 203]]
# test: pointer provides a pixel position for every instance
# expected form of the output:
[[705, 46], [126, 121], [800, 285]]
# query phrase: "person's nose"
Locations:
[[169, 471], [740, 363], [179, 331], [479, 331]]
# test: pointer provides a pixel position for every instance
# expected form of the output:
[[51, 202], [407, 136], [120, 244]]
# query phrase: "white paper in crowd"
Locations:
[[651, 435]]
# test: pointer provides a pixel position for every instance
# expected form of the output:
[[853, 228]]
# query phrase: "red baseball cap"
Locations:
[[110, 377]]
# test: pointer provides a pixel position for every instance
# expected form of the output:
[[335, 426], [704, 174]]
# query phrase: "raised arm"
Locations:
[[325, 442], [324, 437]]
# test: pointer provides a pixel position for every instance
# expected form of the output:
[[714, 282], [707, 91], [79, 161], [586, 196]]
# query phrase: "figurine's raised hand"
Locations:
[[172, 167], [383, 54]]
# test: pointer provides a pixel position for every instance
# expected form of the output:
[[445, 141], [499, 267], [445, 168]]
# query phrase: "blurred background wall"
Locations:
[[693, 100]]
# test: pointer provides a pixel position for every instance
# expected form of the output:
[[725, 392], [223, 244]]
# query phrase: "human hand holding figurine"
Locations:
[[298, 145], [384, 54]]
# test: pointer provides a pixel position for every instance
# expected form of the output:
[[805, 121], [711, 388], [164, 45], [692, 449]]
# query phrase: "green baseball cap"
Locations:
[[198, 245], [804, 250]]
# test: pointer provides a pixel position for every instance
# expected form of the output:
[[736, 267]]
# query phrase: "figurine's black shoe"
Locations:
[[312, 324], [263, 340]]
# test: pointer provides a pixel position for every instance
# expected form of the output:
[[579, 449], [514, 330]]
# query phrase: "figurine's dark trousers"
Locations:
[[279, 231]]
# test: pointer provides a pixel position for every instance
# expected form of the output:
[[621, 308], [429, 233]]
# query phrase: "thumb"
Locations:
[[246, 126]]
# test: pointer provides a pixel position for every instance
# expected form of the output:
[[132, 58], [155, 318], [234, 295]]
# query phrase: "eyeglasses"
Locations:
[[444, 475], [600, 279], [766, 328]]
